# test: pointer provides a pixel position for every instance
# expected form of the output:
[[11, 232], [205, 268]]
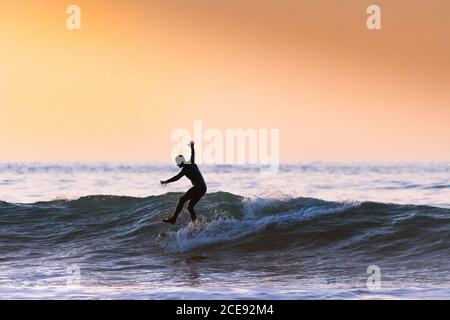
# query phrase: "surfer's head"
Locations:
[[180, 161]]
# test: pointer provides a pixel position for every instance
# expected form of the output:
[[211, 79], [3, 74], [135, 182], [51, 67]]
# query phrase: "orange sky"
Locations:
[[137, 70]]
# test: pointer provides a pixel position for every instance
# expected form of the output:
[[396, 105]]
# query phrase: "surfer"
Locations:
[[194, 194]]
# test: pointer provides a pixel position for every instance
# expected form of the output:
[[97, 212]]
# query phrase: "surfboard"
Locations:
[[191, 229]]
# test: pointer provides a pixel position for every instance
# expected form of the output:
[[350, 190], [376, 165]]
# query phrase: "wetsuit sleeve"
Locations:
[[177, 177], [192, 154]]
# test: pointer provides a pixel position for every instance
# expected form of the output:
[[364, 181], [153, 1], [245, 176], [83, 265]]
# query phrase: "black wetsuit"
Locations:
[[194, 194]]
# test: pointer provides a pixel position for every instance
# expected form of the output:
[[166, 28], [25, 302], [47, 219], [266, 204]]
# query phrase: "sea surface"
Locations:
[[309, 231]]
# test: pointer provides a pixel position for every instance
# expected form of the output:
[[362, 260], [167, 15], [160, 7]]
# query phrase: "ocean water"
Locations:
[[310, 231]]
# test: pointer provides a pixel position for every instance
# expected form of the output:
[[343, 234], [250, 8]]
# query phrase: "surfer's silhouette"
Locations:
[[194, 194]]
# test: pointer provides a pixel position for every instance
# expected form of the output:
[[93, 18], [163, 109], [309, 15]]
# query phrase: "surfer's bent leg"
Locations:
[[180, 205], [198, 194], [187, 196]]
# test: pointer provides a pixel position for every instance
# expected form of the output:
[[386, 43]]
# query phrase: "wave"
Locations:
[[98, 225]]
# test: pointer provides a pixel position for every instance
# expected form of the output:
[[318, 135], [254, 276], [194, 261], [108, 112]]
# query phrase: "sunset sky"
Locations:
[[137, 70]]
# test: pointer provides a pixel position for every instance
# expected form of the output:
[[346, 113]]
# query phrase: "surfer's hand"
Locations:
[[163, 182], [191, 143]]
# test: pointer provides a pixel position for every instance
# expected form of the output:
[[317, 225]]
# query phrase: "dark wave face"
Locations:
[[293, 242]]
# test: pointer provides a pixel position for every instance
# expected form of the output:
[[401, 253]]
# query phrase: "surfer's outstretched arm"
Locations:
[[191, 144], [175, 178]]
